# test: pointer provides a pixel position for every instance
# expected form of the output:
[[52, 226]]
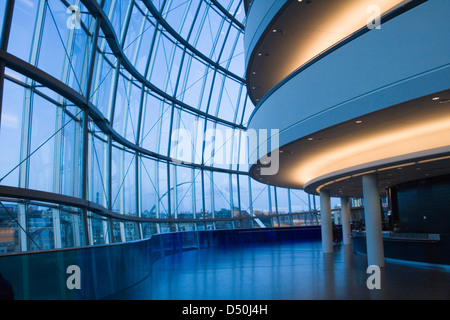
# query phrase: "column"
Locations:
[[345, 220], [326, 225], [372, 216]]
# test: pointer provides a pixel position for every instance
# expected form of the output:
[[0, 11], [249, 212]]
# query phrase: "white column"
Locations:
[[372, 216], [326, 225], [345, 220]]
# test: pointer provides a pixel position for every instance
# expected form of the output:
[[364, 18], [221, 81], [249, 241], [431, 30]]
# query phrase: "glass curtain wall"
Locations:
[[124, 118]]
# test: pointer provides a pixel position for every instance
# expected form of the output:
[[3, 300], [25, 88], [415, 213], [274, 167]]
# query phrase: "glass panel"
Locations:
[[99, 229], [123, 182], [142, 41], [72, 230], [149, 191], [42, 145], [222, 199], [187, 137], [23, 23], [282, 200], [10, 133], [132, 113], [208, 194], [244, 185], [131, 231], [184, 192], [163, 195], [53, 45], [164, 227], [209, 31], [234, 60], [229, 100], [166, 64], [98, 181], [260, 198], [121, 104], [198, 194], [196, 86], [129, 185], [148, 229], [133, 36], [40, 228], [103, 81], [70, 173], [118, 231], [300, 201], [117, 15], [116, 180], [9, 228]]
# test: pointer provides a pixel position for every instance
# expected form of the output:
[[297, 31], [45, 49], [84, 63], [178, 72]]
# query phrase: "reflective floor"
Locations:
[[284, 271]]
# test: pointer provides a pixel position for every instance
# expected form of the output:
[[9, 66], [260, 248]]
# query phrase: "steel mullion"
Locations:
[[22, 194], [4, 39], [180, 39], [115, 47], [102, 123]]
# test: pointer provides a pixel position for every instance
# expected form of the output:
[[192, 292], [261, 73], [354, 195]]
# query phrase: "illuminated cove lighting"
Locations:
[[370, 148]]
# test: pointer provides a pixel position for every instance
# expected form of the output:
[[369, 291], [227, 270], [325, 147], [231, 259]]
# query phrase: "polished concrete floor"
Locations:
[[284, 271]]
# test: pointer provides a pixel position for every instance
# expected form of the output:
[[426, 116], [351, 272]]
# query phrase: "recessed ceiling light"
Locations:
[[310, 139], [274, 30], [260, 54], [358, 121], [436, 98]]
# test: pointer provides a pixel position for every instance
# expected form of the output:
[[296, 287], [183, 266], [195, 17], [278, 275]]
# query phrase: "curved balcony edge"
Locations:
[[107, 271], [402, 62], [270, 29]]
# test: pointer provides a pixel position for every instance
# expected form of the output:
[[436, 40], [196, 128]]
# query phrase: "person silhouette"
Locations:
[[6, 289]]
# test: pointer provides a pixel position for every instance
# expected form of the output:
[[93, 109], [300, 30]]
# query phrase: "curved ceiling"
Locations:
[[305, 30]]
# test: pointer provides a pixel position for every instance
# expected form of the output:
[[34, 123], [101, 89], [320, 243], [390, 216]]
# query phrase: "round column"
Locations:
[[372, 216], [326, 225]]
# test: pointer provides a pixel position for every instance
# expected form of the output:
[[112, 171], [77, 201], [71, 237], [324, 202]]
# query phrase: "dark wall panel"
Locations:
[[424, 205]]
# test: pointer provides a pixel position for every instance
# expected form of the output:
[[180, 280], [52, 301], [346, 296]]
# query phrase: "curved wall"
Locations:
[[406, 59], [113, 120]]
